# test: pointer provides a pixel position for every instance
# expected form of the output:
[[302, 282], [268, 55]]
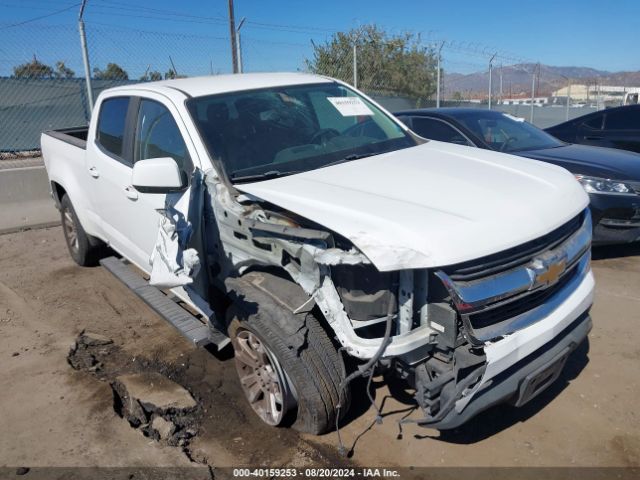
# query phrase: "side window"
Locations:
[[437, 130], [622, 120], [111, 123], [157, 135], [595, 122]]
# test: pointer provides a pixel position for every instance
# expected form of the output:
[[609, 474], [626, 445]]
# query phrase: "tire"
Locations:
[[83, 248], [310, 375]]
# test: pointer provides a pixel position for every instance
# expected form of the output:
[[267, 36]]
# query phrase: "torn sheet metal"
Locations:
[[336, 256], [173, 263]]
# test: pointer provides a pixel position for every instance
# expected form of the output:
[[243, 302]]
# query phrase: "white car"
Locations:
[[305, 223]]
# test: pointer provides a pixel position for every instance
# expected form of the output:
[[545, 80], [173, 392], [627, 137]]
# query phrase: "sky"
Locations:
[[278, 35]]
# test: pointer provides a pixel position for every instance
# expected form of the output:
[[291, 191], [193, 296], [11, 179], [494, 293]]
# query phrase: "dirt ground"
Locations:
[[53, 415]]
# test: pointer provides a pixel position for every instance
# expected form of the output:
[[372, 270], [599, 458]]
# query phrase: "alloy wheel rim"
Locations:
[[260, 377], [70, 230]]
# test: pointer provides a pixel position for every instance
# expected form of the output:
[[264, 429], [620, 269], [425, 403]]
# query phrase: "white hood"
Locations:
[[432, 205]]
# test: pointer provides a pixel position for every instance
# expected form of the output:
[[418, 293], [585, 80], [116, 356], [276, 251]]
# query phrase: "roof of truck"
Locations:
[[214, 84]]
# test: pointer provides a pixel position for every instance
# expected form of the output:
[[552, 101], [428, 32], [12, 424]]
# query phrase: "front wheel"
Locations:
[[281, 382]]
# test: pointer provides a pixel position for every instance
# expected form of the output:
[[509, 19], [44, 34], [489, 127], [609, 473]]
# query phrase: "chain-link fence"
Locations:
[[45, 89]]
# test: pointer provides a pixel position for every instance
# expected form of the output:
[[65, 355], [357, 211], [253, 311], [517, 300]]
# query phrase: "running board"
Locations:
[[199, 333]]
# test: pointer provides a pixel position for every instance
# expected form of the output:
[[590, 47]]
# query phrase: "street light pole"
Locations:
[[239, 45], [490, 71]]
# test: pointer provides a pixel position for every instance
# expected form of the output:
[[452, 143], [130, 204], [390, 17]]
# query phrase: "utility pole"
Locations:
[[490, 71], [232, 30], [438, 79], [85, 56], [239, 44]]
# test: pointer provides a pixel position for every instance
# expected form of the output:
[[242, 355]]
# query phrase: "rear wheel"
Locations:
[[283, 383], [83, 248]]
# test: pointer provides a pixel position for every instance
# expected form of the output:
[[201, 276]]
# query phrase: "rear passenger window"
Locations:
[[111, 121], [437, 130], [158, 135]]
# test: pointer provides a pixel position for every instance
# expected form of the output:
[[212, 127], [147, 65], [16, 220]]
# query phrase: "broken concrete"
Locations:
[[160, 408], [88, 350], [164, 429]]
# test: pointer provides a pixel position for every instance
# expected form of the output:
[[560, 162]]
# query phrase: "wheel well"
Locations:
[[58, 192]]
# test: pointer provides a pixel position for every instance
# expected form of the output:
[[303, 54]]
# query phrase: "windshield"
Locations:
[[506, 133], [278, 131]]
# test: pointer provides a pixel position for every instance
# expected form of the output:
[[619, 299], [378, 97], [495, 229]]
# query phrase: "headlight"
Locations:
[[604, 185]]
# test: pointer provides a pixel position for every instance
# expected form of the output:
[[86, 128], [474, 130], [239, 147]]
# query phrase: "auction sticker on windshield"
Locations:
[[350, 106]]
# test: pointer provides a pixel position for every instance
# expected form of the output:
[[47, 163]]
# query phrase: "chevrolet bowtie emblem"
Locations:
[[552, 272]]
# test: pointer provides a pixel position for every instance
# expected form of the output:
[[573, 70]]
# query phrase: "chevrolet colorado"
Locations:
[[297, 219]]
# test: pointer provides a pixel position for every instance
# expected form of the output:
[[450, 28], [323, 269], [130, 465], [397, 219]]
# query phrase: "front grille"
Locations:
[[501, 293], [493, 316], [513, 257]]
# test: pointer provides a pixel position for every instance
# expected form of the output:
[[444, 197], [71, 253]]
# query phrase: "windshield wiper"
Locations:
[[262, 176], [348, 158]]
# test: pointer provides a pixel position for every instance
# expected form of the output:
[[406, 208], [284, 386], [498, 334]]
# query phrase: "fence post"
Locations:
[[438, 86], [85, 56], [490, 72], [355, 65]]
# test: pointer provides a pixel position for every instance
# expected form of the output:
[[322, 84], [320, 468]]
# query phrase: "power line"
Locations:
[[43, 16]]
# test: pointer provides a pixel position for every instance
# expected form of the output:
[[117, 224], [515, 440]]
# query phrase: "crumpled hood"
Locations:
[[432, 205]]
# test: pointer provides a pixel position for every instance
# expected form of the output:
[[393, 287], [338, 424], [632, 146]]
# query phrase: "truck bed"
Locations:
[[76, 136]]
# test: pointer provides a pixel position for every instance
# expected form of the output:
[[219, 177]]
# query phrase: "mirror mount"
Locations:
[[157, 175]]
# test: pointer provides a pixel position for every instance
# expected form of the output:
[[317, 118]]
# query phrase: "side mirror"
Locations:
[[157, 175]]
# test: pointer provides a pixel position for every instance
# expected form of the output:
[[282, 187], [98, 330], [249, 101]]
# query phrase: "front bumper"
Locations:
[[616, 218], [508, 385], [512, 359]]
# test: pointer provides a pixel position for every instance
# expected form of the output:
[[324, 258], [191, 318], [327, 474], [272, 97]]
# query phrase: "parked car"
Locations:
[[614, 127], [610, 177], [306, 223]]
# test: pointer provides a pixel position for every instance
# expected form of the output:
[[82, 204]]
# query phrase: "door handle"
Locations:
[[93, 171], [131, 192], [592, 137]]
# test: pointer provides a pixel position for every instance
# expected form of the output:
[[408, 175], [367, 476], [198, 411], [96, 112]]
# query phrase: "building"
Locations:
[[538, 101], [595, 93]]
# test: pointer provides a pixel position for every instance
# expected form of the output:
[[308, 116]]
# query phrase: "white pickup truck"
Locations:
[[296, 218]]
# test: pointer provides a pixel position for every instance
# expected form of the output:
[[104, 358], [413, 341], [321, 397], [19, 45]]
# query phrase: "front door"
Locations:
[[131, 129]]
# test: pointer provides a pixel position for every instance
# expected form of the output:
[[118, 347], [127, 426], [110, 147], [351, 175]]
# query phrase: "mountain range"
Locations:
[[516, 79]]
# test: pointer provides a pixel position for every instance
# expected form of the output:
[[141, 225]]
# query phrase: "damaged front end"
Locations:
[[443, 320]]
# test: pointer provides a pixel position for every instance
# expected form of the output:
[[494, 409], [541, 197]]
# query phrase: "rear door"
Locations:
[[622, 129], [149, 129]]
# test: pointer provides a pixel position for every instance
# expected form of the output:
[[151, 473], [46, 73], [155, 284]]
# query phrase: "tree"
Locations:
[[387, 64], [112, 72], [171, 74], [457, 96], [62, 71], [151, 76], [33, 69]]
